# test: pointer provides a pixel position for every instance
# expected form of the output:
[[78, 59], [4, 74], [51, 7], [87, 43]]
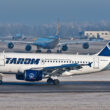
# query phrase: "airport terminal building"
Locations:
[[102, 34]]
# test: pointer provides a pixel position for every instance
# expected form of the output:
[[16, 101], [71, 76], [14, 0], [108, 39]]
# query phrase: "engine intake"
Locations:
[[64, 47], [85, 45], [30, 75], [28, 47], [10, 45]]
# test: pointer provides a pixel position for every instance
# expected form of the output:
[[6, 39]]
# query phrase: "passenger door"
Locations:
[[96, 62], [2, 59], [42, 61]]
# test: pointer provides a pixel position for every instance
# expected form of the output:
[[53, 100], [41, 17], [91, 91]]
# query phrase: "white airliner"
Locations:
[[35, 67]]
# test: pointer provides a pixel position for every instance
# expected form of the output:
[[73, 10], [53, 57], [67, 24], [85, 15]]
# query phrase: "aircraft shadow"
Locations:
[[61, 83]]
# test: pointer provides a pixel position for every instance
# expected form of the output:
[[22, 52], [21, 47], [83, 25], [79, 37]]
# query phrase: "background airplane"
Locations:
[[48, 43]]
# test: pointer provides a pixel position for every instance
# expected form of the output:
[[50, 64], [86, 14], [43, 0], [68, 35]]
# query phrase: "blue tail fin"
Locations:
[[105, 51]]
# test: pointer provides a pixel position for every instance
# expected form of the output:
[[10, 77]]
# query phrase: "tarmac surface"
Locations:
[[79, 92], [94, 82], [64, 87], [55, 101]]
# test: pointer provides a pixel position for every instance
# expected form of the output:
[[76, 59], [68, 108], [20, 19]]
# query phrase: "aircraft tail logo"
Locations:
[[105, 51]]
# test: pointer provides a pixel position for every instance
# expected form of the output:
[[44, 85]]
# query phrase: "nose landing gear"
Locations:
[[1, 77]]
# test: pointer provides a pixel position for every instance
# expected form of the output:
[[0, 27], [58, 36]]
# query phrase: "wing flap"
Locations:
[[58, 70]]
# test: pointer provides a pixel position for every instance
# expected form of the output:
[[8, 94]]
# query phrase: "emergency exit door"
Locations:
[[96, 62], [2, 59]]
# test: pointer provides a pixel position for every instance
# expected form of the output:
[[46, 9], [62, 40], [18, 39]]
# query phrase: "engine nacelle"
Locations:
[[85, 45], [30, 75], [28, 47], [10, 45], [64, 48]]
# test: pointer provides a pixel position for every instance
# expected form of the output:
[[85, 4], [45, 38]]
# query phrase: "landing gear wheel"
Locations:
[[48, 51], [50, 81], [56, 82], [38, 51], [59, 51], [0, 82]]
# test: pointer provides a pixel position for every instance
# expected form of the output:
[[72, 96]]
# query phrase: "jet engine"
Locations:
[[10, 45], [28, 47], [30, 75], [64, 47], [85, 45]]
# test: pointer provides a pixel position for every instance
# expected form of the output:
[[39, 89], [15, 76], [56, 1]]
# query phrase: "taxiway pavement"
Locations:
[[94, 82]]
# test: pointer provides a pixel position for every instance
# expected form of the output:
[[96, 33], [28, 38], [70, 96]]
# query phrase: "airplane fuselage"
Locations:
[[18, 62], [51, 44]]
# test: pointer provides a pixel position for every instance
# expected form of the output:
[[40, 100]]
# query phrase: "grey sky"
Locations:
[[47, 11]]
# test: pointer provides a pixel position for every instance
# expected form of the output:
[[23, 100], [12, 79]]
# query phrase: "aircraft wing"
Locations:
[[13, 41], [75, 42], [58, 70], [38, 41]]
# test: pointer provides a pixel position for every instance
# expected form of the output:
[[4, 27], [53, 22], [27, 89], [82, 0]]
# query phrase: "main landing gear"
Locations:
[[53, 81], [59, 51], [48, 51], [38, 51]]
